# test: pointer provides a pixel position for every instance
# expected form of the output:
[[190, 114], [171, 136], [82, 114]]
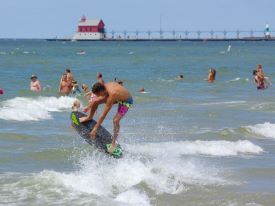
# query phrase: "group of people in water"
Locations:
[[68, 85], [115, 93]]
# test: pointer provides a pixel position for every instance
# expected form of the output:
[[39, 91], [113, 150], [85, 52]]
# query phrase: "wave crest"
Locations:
[[33, 109]]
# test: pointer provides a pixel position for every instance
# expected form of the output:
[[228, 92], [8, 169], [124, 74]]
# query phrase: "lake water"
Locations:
[[185, 142]]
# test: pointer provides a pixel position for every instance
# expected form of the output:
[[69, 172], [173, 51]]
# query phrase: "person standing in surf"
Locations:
[[263, 81], [109, 94], [35, 85], [70, 77], [211, 75], [64, 86]]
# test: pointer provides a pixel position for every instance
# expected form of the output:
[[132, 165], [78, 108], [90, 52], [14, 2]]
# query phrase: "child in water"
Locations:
[[75, 89], [76, 106]]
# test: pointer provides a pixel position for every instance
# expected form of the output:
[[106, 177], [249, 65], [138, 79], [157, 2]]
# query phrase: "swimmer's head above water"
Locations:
[[33, 78]]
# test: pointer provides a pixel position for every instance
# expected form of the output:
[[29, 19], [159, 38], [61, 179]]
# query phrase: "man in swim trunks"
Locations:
[[35, 84], [109, 94], [64, 86]]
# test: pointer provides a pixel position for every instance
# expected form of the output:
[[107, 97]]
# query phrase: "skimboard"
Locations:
[[103, 138]]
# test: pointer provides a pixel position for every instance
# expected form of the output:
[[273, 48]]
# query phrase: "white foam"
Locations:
[[235, 80], [214, 148], [33, 109], [124, 181], [134, 198], [224, 103], [106, 177], [267, 129]]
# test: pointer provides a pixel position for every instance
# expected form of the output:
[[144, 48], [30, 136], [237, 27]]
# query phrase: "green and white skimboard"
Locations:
[[103, 138]]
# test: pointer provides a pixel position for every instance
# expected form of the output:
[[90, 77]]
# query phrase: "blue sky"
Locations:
[[49, 18]]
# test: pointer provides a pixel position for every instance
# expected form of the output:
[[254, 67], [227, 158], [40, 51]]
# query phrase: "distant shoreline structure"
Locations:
[[167, 39], [94, 30]]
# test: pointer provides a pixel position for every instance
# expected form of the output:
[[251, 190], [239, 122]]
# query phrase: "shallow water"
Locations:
[[186, 142]]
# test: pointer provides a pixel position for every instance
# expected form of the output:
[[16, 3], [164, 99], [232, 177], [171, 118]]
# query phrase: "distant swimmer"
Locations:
[[81, 52], [261, 81], [260, 72], [84, 88], [211, 75], [90, 95], [141, 90], [179, 77], [35, 84], [99, 78], [65, 85], [70, 77], [75, 89], [118, 81], [109, 94], [1, 91]]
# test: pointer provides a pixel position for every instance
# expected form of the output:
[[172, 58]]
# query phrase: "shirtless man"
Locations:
[[64, 86], [109, 94], [35, 84], [70, 77]]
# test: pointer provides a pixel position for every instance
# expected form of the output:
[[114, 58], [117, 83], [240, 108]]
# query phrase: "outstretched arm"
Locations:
[[93, 105], [107, 108]]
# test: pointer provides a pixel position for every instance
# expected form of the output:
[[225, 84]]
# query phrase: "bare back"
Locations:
[[117, 92]]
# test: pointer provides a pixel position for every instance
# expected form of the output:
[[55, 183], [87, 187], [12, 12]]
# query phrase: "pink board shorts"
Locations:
[[124, 106]]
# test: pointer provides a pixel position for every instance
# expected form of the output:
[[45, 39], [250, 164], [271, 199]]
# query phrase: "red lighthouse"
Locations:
[[90, 29]]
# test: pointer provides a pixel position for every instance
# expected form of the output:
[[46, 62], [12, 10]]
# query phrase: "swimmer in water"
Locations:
[[141, 90], [75, 89], [99, 78], [211, 75], [179, 77], [70, 77], [64, 86], [118, 81], [35, 85], [260, 72], [84, 88], [256, 80]]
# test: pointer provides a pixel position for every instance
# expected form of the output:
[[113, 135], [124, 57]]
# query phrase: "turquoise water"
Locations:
[[186, 142]]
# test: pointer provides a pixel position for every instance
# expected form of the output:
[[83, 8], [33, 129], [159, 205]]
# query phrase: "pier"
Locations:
[[94, 30], [182, 35]]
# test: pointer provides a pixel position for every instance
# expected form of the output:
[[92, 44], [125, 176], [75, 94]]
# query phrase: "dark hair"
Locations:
[[68, 70], [99, 75], [254, 72], [97, 87]]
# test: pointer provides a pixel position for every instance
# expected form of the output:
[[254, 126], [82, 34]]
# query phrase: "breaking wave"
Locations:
[[33, 109], [213, 148], [266, 129]]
